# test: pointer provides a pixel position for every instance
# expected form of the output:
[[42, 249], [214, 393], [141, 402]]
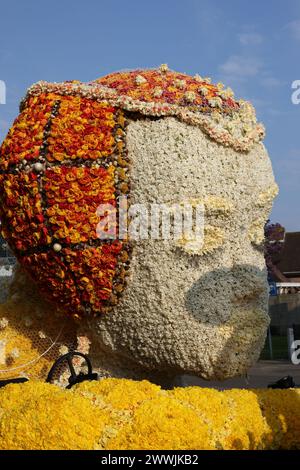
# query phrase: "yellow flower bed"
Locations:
[[124, 414]]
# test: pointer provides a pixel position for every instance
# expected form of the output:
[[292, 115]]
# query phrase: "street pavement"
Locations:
[[259, 376]]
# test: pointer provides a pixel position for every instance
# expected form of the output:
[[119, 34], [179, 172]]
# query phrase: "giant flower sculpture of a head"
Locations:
[[146, 138]]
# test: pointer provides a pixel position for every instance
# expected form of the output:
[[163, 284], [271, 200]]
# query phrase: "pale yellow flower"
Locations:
[[3, 323], [139, 80], [164, 68], [190, 96], [63, 349]]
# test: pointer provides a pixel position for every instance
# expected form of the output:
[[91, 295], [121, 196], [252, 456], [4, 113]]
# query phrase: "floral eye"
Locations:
[[216, 206], [213, 238], [216, 209]]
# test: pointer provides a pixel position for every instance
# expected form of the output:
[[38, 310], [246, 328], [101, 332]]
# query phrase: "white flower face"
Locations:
[[190, 310]]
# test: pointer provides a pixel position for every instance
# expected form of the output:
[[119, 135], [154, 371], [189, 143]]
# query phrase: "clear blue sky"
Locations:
[[251, 46]]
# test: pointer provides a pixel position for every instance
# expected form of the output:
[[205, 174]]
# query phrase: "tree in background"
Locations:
[[274, 241]]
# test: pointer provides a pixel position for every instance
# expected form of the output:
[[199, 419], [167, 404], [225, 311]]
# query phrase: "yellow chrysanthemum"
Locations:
[[124, 414], [42, 416]]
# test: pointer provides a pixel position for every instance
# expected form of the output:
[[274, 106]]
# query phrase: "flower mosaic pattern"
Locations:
[[63, 157]]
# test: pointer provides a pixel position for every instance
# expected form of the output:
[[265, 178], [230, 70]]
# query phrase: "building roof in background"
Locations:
[[288, 261]]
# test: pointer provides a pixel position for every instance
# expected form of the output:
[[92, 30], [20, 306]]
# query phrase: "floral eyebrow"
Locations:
[[214, 205]]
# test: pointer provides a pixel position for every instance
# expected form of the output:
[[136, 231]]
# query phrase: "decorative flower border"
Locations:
[[192, 100]]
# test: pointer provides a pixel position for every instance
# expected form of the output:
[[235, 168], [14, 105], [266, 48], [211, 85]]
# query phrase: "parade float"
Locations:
[[145, 310]]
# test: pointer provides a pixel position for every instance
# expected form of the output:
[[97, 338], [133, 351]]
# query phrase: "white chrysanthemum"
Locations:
[[180, 84], [164, 68], [215, 102], [157, 92], [139, 80], [190, 96], [198, 78], [203, 90], [227, 93], [63, 349]]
